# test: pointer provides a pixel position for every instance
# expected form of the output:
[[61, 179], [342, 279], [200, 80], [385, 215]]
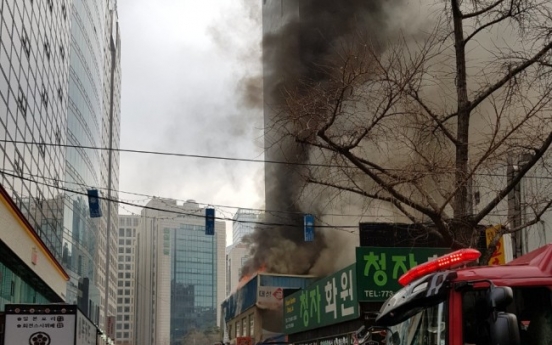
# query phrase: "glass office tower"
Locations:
[[59, 91], [84, 118], [193, 279], [34, 70], [91, 119], [179, 272]]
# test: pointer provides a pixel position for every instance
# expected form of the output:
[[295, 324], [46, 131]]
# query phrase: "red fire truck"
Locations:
[[449, 302]]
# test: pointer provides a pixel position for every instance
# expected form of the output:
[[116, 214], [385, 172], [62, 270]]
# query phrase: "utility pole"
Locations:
[[515, 217]]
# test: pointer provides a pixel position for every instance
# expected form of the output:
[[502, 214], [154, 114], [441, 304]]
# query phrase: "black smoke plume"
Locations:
[[298, 36]]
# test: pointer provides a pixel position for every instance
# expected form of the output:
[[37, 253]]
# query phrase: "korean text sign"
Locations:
[[328, 301], [40, 329], [379, 268]]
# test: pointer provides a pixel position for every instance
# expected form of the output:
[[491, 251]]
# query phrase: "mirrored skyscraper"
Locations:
[[92, 123], [34, 73], [59, 103]]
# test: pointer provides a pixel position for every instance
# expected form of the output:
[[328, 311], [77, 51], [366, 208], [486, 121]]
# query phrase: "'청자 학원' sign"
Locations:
[[379, 268], [330, 300]]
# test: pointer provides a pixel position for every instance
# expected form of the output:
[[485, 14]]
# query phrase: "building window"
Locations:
[[26, 43], [58, 136], [252, 325], [42, 147], [18, 166], [44, 96], [22, 102], [47, 50]]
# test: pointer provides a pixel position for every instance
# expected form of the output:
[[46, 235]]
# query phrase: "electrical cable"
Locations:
[[172, 211], [218, 207], [321, 165], [149, 197]]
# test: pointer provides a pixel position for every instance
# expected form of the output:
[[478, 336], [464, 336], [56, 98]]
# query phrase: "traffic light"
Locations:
[[309, 227]]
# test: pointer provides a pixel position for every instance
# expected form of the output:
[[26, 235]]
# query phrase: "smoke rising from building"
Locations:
[[298, 36]]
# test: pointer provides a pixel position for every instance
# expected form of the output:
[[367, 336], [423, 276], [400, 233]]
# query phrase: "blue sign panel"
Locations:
[[309, 227], [209, 221], [94, 203]]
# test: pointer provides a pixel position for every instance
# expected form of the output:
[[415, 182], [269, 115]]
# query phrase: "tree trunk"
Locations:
[[462, 213]]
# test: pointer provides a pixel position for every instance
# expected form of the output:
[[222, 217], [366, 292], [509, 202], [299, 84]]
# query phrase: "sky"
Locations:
[[183, 63]]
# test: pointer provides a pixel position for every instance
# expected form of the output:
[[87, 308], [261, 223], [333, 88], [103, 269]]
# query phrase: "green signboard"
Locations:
[[378, 269], [330, 300]]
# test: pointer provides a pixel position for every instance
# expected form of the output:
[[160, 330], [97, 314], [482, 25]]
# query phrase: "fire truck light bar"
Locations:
[[452, 260]]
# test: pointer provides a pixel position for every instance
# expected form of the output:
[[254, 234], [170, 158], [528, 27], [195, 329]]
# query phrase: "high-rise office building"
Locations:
[[236, 256], [244, 223], [106, 270], [34, 70], [92, 121], [59, 85], [179, 272], [128, 226], [89, 112]]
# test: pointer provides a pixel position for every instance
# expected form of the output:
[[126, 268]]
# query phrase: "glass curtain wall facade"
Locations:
[[60, 85], [193, 279], [84, 118], [245, 222], [93, 107], [34, 60], [109, 175]]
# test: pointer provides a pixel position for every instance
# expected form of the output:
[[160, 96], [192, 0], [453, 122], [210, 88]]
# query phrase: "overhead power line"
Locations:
[[263, 161], [148, 197], [263, 223]]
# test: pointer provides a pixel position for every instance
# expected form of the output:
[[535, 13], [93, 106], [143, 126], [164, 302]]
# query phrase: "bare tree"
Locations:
[[426, 122]]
